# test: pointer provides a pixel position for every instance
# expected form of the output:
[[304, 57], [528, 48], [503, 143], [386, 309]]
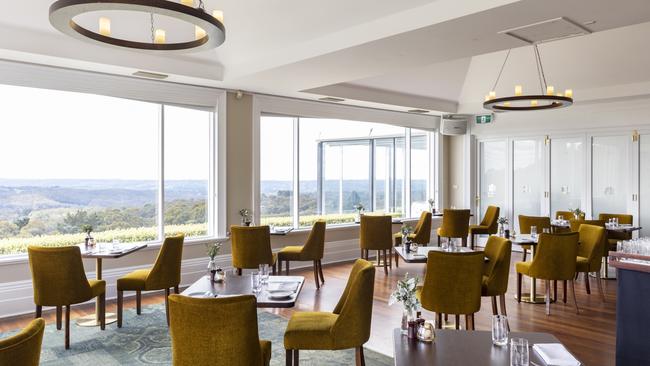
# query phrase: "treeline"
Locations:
[[177, 212]]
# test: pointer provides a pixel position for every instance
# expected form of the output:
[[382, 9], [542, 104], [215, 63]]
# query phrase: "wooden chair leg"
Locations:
[[138, 302], [587, 283], [389, 253], [120, 300], [471, 241], [279, 265], [296, 358], [67, 327], [519, 287], [599, 282], [554, 290], [457, 319], [289, 357], [167, 305], [438, 240], [548, 297], [320, 271], [502, 299], [102, 311], [575, 299], [239, 271], [494, 306], [464, 241], [396, 260], [287, 269], [39, 311], [59, 316], [525, 253], [176, 290], [385, 261], [439, 320], [274, 268], [360, 359], [316, 279], [564, 291]]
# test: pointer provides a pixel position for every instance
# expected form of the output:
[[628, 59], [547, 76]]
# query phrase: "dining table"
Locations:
[[234, 285], [421, 253], [99, 252], [462, 347]]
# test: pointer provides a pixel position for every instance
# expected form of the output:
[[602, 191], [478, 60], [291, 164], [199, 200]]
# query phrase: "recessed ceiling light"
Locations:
[[150, 75], [331, 99], [418, 111]]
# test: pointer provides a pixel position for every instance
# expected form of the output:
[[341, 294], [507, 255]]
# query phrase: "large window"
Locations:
[[340, 164], [72, 159]]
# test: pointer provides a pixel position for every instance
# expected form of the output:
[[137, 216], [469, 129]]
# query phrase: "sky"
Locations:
[[47, 134]]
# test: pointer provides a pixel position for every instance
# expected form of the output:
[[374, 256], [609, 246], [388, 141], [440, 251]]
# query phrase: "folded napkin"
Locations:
[[554, 354], [283, 286]]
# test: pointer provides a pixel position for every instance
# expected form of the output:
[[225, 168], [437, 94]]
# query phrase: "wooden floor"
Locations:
[[590, 335]]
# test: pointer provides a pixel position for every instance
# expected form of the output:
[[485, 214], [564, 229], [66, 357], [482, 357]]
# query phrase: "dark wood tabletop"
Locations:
[[461, 347], [123, 249], [241, 285], [421, 255]]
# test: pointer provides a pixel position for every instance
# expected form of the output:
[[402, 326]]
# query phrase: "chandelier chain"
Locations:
[[540, 69], [201, 5], [501, 71], [153, 38]]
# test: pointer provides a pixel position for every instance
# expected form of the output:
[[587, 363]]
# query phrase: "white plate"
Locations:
[[280, 295], [200, 294]]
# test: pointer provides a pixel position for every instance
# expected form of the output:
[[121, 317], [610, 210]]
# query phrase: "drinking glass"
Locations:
[[533, 231], [499, 330], [445, 244], [560, 218], [546, 230], [264, 273], [256, 283], [519, 352]]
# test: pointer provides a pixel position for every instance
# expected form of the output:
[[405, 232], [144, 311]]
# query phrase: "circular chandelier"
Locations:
[[546, 99], [209, 31]]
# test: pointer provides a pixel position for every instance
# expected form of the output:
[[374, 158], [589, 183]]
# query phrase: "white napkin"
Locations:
[[554, 354], [282, 286]]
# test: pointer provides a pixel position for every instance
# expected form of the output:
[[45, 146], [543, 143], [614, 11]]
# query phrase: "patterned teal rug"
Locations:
[[144, 340]]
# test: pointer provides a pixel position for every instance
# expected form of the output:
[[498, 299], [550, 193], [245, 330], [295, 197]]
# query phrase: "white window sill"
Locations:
[[151, 245]]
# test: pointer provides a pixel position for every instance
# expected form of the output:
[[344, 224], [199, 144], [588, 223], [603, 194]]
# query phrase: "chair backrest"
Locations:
[[622, 219], [214, 331], [315, 246], [376, 232], [455, 223], [592, 245], [566, 215], [58, 276], [497, 269], [541, 222], [452, 284], [422, 231], [166, 272], [352, 327], [575, 224], [556, 257], [491, 219], [251, 246], [23, 348]]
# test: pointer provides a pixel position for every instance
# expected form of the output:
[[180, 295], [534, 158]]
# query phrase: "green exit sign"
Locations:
[[484, 118]]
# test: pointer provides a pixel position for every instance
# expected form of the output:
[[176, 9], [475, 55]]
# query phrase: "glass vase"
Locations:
[[212, 269], [407, 315]]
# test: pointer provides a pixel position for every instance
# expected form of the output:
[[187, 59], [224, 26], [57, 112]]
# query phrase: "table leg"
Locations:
[[93, 320]]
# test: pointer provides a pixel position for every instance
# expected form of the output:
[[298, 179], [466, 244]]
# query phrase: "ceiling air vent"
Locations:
[[547, 30], [150, 75], [421, 111], [331, 99]]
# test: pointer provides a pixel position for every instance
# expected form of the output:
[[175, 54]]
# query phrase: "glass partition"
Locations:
[[610, 174], [493, 164], [567, 174], [528, 178]]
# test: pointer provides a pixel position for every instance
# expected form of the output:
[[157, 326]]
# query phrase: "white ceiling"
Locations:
[[436, 55]]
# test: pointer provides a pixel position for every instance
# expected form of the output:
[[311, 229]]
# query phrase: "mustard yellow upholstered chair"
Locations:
[[496, 271], [455, 224], [311, 251], [348, 326], [216, 332], [488, 225], [590, 254], [452, 285], [555, 260], [575, 224], [375, 233], [59, 280], [24, 348], [421, 234], [526, 222], [251, 246], [566, 215], [165, 274]]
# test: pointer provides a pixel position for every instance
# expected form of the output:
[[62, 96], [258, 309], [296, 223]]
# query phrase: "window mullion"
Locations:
[[296, 173], [407, 174], [161, 177]]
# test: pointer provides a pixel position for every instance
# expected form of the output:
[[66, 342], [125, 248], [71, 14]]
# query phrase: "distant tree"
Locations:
[[8, 229], [21, 222], [72, 222], [34, 228]]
